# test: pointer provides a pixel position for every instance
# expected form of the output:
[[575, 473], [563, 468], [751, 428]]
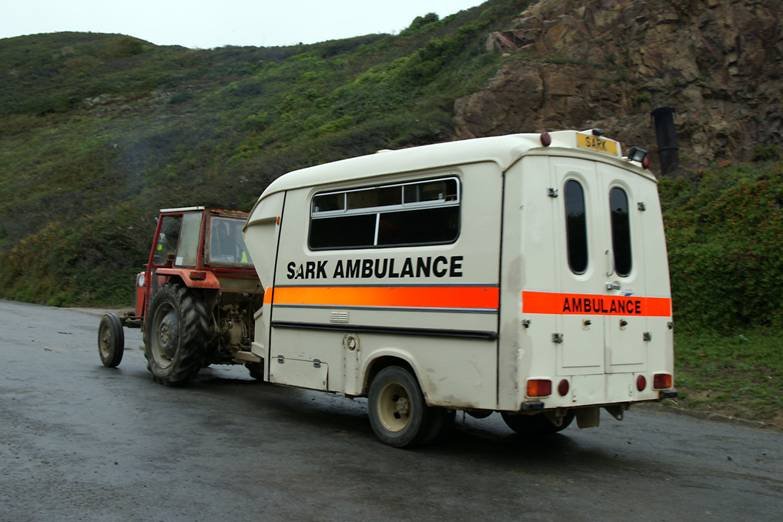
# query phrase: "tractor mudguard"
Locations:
[[192, 278]]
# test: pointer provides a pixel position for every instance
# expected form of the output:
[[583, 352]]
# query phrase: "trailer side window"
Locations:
[[621, 231], [576, 226], [415, 213], [342, 232]]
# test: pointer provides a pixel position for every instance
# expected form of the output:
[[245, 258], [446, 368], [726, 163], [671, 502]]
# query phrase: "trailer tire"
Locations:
[[177, 334], [398, 414], [536, 425], [111, 340]]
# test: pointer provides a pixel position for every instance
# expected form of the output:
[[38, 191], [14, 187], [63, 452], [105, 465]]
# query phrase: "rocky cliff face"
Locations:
[[607, 63]]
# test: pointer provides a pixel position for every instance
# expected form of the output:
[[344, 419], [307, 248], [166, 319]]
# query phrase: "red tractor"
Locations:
[[195, 298]]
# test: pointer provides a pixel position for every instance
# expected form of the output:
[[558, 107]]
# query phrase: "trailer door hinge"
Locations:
[[316, 363], [641, 206], [280, 359], [647, 337], [552, 192], [557, 338]]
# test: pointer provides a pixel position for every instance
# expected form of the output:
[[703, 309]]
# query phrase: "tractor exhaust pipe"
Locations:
[[666, 135]]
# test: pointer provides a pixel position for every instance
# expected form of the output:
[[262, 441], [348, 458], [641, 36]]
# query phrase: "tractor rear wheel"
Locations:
[[111, 340], [177, 335]]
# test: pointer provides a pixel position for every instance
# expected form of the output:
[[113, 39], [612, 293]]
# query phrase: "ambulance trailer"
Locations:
[[524, 274]]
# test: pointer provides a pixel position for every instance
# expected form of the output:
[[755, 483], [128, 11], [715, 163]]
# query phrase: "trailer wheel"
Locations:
[[536, 425], [177, 334], [398, 414], [111, 340]]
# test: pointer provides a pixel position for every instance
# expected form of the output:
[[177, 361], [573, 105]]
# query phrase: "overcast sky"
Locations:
[[212, 23]]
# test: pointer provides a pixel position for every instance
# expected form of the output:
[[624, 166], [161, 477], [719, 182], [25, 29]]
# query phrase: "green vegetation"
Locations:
[[724, 229], [738, 375], [98, 131]]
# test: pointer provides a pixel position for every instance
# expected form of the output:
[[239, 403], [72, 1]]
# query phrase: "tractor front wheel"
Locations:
[[111, 340], [177, 335]]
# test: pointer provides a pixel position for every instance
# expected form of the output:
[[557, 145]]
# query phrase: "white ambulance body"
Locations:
[[498, 274]]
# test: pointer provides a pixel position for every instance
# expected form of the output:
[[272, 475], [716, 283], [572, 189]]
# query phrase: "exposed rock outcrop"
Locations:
[[608, 63]]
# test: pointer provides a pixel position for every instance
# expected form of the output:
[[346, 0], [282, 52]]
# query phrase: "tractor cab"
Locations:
[[195, 299], [203, 248]]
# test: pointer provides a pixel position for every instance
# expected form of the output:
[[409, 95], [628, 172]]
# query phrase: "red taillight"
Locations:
[[546, 139], [662, 381], [539, 388], [646, 162], [563, 387], [641, 383]]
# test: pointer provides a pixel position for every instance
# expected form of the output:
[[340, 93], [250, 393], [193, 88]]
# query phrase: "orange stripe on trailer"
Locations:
[[595, 304], [456, 297], [268, 295]]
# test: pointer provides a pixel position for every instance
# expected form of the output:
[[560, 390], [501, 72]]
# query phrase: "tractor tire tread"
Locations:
[[194, 333]]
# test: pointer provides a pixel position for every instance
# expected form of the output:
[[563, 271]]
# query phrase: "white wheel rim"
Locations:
[[394, 407]]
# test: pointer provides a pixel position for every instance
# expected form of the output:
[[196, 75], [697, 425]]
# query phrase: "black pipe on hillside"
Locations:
[[666, 135]]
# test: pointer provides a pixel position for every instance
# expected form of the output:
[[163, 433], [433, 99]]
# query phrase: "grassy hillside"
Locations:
[[99, 131]]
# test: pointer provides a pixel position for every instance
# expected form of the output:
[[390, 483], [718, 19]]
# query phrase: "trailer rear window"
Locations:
[[576, 226], [621, 231], [416, 213]]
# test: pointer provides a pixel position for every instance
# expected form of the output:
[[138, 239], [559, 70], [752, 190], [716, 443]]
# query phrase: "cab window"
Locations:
[[226, 244], [187, 250], [416, 213], [168, 239]]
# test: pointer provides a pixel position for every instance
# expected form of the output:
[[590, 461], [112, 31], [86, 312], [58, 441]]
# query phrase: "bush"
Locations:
[[420, 22], [124, 47], [724, 231], [766, 153]]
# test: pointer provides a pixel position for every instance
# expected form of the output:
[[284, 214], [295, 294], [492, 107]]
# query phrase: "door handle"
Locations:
[[612, 285]]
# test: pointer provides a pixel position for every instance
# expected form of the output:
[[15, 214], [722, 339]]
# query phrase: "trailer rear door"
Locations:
[[626, 344], [579, 226]]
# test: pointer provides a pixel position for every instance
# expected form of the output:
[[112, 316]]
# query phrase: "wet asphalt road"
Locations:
[[82, 442]]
